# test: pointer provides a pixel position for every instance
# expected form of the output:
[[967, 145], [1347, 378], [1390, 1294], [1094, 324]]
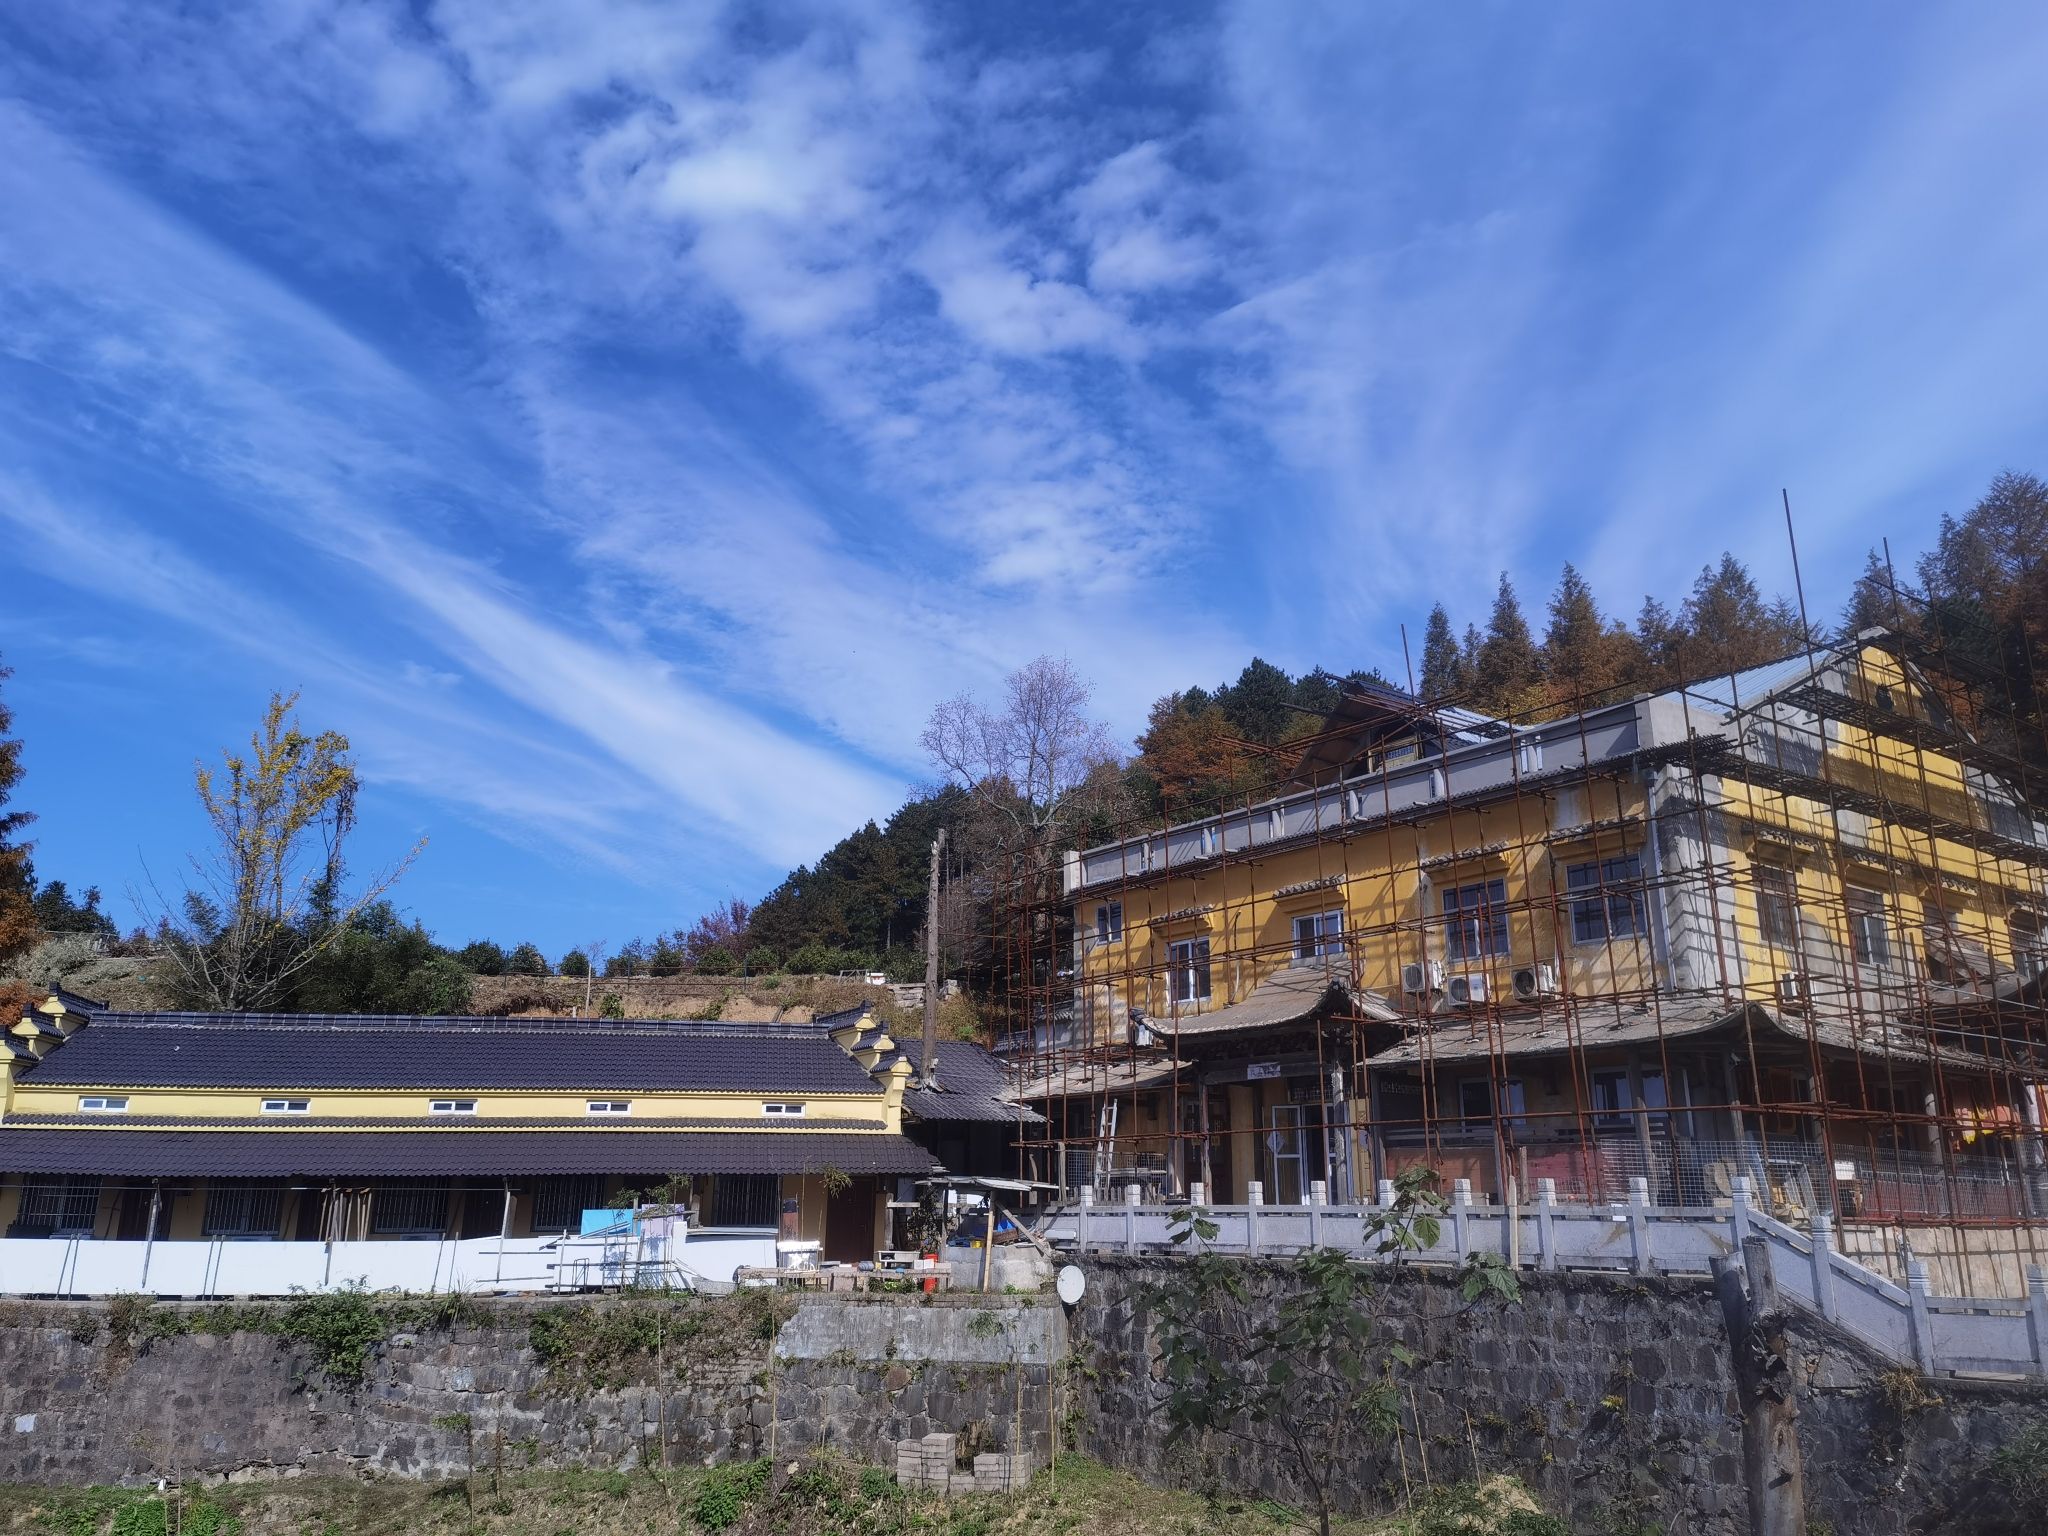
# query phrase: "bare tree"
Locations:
[[1036, 768], [266, 899], [1033, 763]]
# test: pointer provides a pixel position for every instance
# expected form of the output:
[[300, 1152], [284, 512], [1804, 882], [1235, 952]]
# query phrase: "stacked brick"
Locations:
[[933, 1463]]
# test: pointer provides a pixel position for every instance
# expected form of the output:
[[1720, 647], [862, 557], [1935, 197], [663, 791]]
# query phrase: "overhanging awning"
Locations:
[[1292, 995], [441, 1154]]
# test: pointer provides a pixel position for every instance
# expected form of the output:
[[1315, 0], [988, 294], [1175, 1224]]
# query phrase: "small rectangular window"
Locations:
[[1777, 905], [782, 1109], [452, 1107], [101, 1104], [1188, 970], [1476, 920], [287, 1106], [1318, 933], [1475, 1104], [609, 1106], [1869, 932], [2029, 935], [1607, 899], [1614, 1106], [1109, 922]]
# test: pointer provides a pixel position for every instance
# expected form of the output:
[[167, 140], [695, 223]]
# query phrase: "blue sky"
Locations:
[[626, 421]]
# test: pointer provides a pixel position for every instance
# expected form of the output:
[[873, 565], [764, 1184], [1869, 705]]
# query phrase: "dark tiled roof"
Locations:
[[433, 1154], [73, 1003], [278, 1051], [970, 1085]]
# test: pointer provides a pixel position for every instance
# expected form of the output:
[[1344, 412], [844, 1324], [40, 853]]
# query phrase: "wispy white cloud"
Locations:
[[709, 389]]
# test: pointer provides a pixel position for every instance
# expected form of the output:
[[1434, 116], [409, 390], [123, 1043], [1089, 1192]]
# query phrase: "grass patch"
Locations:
[[824, 1496]]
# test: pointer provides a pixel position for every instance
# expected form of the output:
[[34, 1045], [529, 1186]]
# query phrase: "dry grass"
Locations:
[[826, 1498]]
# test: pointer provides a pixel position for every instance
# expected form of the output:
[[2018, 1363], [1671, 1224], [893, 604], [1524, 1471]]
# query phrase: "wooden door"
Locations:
[[850, 1223]]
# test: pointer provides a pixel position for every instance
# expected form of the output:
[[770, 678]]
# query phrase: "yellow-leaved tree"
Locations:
[[266, 899]]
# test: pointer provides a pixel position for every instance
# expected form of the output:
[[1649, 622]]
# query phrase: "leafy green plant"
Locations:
[[1302, 1374], [725, 1493], [342, 1327]]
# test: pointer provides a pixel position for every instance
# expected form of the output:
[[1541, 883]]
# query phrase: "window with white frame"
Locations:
[[1606, 898], [1869, 927], [1777, 905], [781, 1111], [451, 1107], [287, 1106], [2029, 932], [1109, 922], [103, 1104], [1476, 920], [1187, 973], [609, 1106], [1318, 933]]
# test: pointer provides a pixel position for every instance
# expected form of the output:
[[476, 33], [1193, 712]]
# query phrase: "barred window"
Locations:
[[745, 1200], [559, 1203], [243, 1208], [60, 1204], [406, 1209]]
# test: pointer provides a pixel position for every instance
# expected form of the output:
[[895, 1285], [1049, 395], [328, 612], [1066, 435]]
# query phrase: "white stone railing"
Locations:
[[1971, 1334]]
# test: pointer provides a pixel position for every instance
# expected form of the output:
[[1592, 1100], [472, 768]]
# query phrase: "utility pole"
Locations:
[[930, 1058]]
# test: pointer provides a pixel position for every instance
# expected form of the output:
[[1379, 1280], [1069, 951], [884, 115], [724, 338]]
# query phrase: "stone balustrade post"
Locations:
[[1824, 1265], [1546, 1223], [1254, 1197], [1641, 1260], [1923, 1323]]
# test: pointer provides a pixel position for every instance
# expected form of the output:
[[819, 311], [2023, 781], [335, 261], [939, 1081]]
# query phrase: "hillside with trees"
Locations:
[[1020, 779]]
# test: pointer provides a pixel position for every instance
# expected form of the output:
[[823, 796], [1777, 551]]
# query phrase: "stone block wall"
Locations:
[[77, 1406], [1615, 1399]]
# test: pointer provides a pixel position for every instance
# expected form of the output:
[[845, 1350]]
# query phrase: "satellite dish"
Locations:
[[1071, 1283]]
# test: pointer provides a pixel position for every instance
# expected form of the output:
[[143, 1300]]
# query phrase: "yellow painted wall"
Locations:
[[1388, 883], [247, 1104]]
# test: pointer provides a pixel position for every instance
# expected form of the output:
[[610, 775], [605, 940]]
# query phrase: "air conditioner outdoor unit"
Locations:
[[1466, 990], [1422, 976], [1534, 981], [1792, 990]]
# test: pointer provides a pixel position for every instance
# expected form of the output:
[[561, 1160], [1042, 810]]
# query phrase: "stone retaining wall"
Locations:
[[1616, 1400], [76, 1406]]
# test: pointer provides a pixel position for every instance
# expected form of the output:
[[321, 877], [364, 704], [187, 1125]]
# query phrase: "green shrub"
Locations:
[[726, 1492], [342, 1327]]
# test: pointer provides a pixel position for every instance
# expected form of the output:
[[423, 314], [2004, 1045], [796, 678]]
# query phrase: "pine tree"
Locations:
[[1257, 704], [1870, 601], [1509, 666], [1576, 655], [1661, 640], [1443, 664], [17, 877], [1728, 624]]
